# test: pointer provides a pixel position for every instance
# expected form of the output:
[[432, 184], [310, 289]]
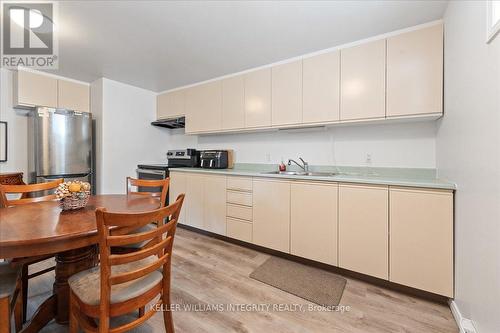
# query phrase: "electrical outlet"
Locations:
[[368, 159]]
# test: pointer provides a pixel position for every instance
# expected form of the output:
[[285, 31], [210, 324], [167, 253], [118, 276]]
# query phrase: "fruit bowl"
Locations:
[[73, 194]]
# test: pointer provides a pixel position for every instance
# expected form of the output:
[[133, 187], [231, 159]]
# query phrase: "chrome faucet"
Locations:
[[304, 167]]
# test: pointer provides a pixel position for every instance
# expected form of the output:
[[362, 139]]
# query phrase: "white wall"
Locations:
[[468, 153], [17, 122], [390, 145], [124, 136]]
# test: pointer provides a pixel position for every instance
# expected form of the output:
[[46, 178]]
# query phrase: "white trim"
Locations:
[[491, 29], [461, 321], [315, 53], [26, 69]]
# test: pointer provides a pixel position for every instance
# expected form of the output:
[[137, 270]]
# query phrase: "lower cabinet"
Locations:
[[205, 202], [214, 214], [195, 205], [421, 253], [313, 227], [178, 186], [364, 229], [400, 234], [271, 214]]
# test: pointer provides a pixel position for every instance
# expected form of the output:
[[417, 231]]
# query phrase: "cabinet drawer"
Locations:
[[239, 229], [240, 198], [239, 184], [239, 212]]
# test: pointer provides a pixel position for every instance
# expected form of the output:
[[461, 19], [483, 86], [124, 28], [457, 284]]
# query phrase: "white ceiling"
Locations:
[[160, 45]]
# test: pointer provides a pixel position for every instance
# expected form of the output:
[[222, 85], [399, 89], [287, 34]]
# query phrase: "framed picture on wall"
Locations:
[[492, 19], [3, 141]]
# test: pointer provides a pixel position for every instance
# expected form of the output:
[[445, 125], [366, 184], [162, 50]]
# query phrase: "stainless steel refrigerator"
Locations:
[[60, 145]]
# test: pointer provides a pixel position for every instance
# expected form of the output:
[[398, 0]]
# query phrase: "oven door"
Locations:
[[148, 174]]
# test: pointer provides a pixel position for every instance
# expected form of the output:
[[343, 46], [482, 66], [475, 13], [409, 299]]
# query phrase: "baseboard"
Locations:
[[464, 325]]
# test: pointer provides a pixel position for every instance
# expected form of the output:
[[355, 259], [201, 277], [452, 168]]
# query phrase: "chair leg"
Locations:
[[141, 311], [5, 314], [167, 313], [24, 292], [73, 321], [18, 309]]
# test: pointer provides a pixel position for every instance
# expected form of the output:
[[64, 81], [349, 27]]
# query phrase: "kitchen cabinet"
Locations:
[[214, 219], [233, 102], [73, 96], [204, 107], [421, 243], [239, 229], [321, 88], [286, 97], [258, 98], [364, 229], [415, 72], [271, 214], [195, 208], [33, 89], [170, 104], [178, 185], [363, 81], [205, 201], [313, 227]]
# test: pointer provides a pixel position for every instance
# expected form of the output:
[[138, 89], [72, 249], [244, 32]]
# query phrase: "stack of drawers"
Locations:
[[239, 208]]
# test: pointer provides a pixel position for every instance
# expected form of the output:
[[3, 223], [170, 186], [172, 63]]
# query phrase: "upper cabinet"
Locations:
[[321, 88], [170, 104], [258, 98], [204, 107], [415, 72], [32, 89], [363, 81], [287, 94], [233, 102], [73, 96], [399, 76]]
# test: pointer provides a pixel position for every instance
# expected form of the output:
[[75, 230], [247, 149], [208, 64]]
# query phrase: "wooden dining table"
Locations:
[[43, 228]]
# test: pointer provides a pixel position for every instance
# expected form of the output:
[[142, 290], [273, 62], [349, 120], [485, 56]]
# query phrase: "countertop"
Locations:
[[412, 177]]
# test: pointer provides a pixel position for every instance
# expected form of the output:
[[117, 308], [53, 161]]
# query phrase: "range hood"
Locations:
[[179, 122]]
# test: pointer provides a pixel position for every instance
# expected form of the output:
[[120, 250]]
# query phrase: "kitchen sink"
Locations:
[[300, 173]]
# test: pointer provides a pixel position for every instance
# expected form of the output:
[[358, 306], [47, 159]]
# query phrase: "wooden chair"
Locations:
[[163, 184], [10, 297], [24, 191], [126, 282]]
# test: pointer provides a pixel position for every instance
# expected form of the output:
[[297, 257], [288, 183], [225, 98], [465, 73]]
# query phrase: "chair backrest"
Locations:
[[120, 229], [27, 189], [151, 184]]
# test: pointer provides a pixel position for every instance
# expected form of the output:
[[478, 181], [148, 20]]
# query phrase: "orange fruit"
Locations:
[[75, 188]]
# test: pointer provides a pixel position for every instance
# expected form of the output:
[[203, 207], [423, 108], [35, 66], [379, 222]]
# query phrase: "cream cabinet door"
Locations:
[[178, 186], [204, 107], [271, 214], [233, 102], [258, 98], [170, 104], [364, 229], [287, 94], [215, 204], [313, 229], [321, 88], [73, 96], [363, 81], [422, 239], [415, 72], [32, 89], [195, 193]]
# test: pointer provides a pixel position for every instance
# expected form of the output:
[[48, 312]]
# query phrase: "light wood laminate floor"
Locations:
[[208, 271]]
